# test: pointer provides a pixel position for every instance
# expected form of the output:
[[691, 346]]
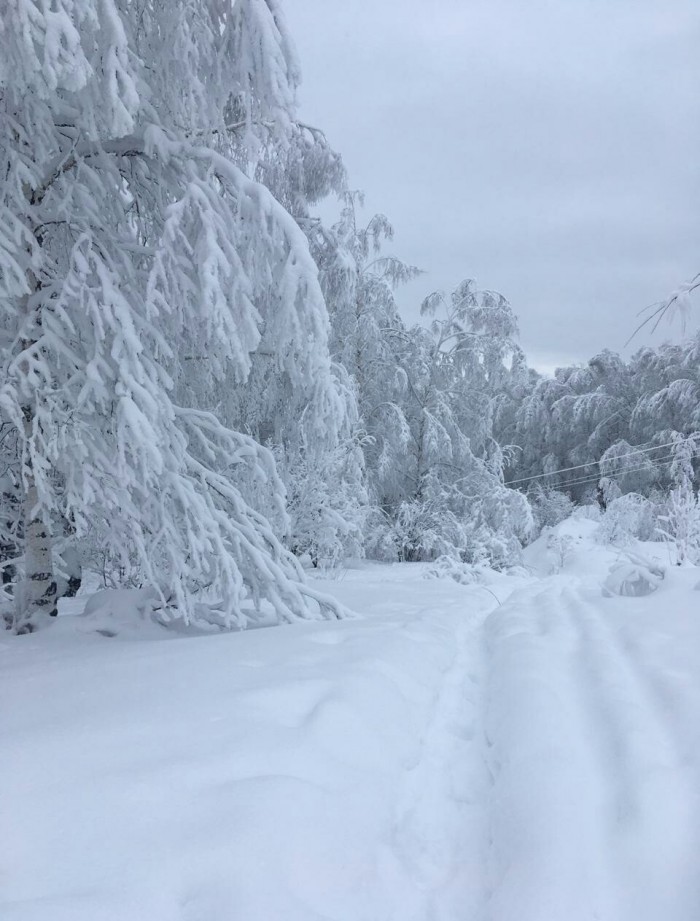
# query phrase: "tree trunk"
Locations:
[[36, 595]]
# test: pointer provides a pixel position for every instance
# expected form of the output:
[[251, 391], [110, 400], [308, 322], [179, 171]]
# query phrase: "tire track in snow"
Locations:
[[439, 833], [677, 705], [548, 851], [654, 818], [550, 786]]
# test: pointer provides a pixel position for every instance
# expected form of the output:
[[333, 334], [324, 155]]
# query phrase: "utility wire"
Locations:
[[613, 476], [539, 476]]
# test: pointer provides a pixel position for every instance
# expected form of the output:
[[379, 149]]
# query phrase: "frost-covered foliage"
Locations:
[[549, 506], [680, 523], [313, 429], [611, 419], [669, 515], [424, 529], [367, 337], [447, 496], [426, 400], [165, 292], [624, 469], [455, 373], [326, 502], [677, 304], [445, 567], [135, 243], [201, 380], [560, 548], [628, 518]]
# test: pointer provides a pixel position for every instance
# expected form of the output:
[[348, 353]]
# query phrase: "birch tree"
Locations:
[[129, 235]]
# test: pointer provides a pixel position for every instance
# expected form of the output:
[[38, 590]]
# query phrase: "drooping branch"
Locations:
[[128, 146], [134, 145]]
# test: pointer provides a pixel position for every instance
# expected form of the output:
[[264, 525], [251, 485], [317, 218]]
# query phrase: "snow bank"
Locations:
[[127, 612], [632, 579]]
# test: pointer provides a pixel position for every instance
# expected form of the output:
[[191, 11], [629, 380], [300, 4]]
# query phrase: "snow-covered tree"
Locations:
[[310, 426], [627, 517], [134, 237], [367, 338], [611, 418], [631, 470], [549, 506], [681, 521], [454, 501], [326, 502], [680, 525]]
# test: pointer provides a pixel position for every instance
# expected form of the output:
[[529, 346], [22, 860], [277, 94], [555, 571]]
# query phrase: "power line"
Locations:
[[661, 462], [594, 478], [539, 476]]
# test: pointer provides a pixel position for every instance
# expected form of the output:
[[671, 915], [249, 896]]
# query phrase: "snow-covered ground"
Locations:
[[524, 749]]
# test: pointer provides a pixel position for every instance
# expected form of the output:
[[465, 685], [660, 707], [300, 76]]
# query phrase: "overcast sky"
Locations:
[[551, 150]]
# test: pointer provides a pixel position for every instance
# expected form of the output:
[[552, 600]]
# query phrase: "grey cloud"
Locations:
[[548, 149]]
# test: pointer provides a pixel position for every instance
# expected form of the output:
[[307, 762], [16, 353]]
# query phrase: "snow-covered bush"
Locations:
[[325, 510], [423, 531], [487, 531], [446, 567], [499, 550], [627, 518], [680, 524], [505, 519], [125, 611], [559, 550], [632, 579], [549, 507]]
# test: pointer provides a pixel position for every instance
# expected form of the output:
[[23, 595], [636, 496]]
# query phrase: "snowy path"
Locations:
[[655, 790], [444, 759], [595, 809], [441, 808]]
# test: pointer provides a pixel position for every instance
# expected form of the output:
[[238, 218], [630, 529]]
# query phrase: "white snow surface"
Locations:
[[525, 748]]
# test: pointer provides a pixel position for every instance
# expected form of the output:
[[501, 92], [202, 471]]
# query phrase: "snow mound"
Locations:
[[560, 548], [632, 579], [122, 612], [446, 567]]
